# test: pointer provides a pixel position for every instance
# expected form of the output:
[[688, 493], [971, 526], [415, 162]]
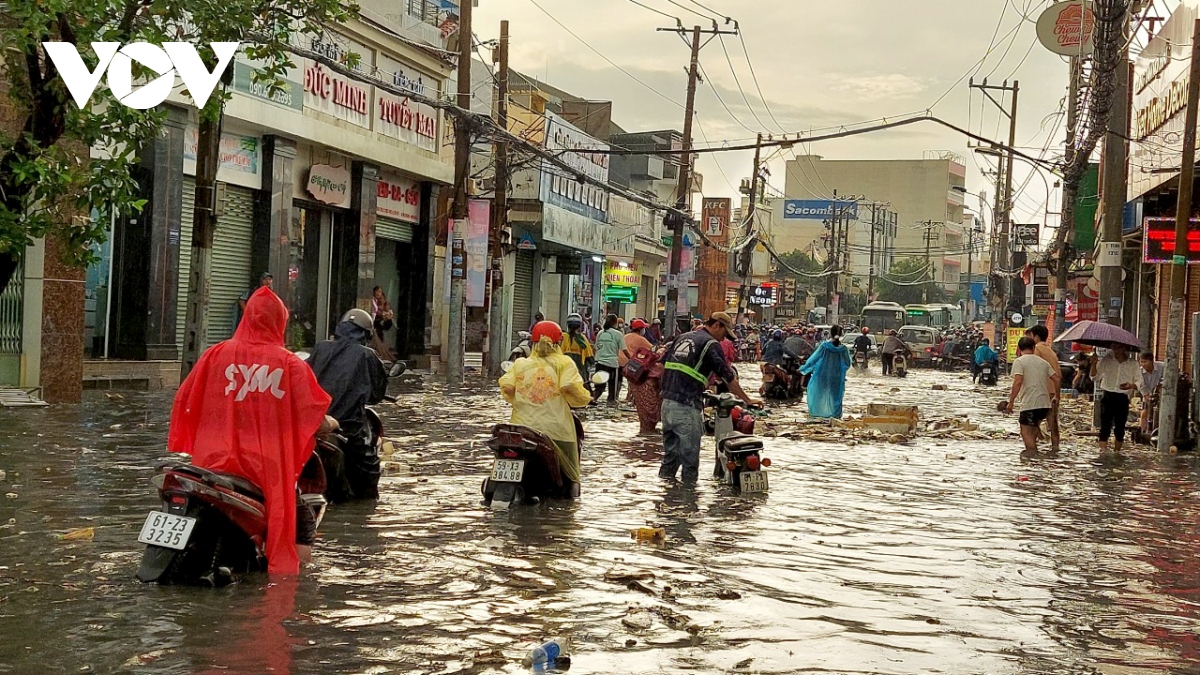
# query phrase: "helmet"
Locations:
[[359, 318], [548, 330], [865, 330], [637, 324], [573, 319], [777, 334]]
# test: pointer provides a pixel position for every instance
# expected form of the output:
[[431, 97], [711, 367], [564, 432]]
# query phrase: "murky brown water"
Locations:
[[865, 559]]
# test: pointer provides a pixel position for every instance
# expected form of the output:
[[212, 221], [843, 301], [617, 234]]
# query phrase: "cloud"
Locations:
[[880, 87]]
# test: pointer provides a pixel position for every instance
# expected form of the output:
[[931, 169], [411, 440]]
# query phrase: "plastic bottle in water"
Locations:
[[544, 654]]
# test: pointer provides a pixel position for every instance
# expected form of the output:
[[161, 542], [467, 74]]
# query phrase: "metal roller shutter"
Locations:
[[523, 292], [394, 230], [231, 274], [185, 257]]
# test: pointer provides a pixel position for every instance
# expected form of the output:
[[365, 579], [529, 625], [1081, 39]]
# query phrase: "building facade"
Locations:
[[925, 194], [329, 184]]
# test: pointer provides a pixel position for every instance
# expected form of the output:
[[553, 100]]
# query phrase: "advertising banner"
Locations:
[[560, 189], [398, 198], [1025, 236], [479, 213]]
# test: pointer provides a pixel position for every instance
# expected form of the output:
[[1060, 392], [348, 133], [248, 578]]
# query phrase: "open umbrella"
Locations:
[[1100, 335]]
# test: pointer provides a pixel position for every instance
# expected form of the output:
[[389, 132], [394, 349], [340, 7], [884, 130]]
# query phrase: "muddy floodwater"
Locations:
[[935, 556]]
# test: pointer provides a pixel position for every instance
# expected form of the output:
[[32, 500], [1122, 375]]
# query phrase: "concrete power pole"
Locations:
[[1069, 197], [1115, 190], [497, 333], [684, 189], [930, 235], [871, 262], [455, 344], [746, 256], [1183, 215]]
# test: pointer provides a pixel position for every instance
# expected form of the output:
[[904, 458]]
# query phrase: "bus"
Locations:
[[881, 316], [918, 315], [941, 316]]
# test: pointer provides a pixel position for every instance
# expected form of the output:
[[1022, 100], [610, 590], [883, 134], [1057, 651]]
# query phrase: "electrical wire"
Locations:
[[608, 60]]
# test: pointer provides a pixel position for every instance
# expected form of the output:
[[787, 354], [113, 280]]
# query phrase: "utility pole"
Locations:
[[1115, 190], [204, 228], [871, 262], [684, 189], [1003, 212], [1183, 216], [930, 235], [455, 344], [497, 334], [746, 256], [1069, 197], [970, 277]]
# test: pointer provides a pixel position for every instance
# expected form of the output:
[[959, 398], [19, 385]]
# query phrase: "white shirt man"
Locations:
[[1117, 375], [1030, 393]]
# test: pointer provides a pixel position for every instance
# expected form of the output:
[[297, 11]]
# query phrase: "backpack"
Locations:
[[643, 364]]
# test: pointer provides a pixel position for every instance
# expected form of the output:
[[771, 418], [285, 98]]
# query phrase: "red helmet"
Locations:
[[866, 329], [546, 329], [638, 324]]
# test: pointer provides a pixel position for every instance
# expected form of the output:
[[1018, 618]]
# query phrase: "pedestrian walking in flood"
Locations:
[[1030, 394], [1116, 377], [1039, 334], [828, 367]]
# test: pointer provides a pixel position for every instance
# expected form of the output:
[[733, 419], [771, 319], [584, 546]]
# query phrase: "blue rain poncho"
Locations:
[[827, 388]]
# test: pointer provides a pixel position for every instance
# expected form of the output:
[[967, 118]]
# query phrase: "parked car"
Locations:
[[922, 340]]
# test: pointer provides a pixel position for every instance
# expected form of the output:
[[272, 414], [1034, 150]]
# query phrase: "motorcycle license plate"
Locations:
[[753, 481], [167, 530], [987, 371], [508, 470]]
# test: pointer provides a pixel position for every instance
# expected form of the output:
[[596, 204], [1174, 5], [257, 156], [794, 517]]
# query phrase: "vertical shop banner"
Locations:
[[477, 250]]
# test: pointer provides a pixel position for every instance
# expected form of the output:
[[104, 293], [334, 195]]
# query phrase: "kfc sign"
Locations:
[[398, 198]]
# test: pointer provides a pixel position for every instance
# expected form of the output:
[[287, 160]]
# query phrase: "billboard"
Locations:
[[1025, 236], [819, 209], [560, 188], [1158, 244]]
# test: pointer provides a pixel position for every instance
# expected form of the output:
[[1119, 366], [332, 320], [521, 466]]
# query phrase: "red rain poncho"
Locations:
[[252, 408]]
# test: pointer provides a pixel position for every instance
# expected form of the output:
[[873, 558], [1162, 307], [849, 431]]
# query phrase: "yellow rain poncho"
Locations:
[[542, 390]]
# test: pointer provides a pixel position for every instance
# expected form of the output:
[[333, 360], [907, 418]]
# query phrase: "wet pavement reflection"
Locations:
[[934, 556]]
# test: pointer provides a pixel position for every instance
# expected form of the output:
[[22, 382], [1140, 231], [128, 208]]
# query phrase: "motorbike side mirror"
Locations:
[[398, 369], [601, 377], [302, 355], [506, 366]]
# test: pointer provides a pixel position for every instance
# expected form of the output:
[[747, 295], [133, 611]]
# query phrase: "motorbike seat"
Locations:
[[739, 443], [227, 480]]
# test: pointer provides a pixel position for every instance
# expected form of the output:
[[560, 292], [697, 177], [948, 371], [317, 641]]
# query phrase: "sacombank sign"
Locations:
[[819, 209], [166, 61]]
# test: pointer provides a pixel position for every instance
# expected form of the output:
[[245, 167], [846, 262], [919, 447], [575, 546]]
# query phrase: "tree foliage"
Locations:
[[906, 282], [800, 261], [46, 177]]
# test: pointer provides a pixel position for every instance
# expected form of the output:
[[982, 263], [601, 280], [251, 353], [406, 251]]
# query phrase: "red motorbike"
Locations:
[[213, 526]]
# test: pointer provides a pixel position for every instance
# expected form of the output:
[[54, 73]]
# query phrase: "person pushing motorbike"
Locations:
[[351, 372], [776, 350], [689, 362], [253, 409], [542, 389], [891, 346]]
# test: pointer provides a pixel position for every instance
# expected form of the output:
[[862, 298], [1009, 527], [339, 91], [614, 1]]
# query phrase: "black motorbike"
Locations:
[[526, 469], [988, 373], [783, 382], [860, 362]]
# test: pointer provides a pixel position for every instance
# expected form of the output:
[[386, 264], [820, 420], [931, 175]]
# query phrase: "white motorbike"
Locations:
[[738, 453]]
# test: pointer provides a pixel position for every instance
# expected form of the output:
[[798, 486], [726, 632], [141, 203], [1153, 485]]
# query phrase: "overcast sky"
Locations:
[[820, 64]]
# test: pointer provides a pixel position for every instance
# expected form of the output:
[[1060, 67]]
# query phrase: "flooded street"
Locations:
[[930, 557]]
